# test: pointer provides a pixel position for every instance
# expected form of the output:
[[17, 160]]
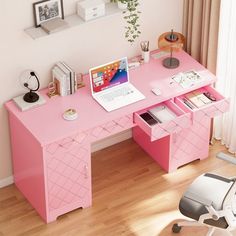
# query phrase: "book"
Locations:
[[72, 86], [59, 77], [74, 78], [162, 113], [68, 77], [54, 25], [198, 99], [187, 79]]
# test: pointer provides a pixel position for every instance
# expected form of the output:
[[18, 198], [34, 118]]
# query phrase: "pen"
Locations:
[[145, 46], [188, 103]]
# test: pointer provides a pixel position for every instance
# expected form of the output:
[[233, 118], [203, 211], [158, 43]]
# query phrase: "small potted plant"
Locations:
[[131, 15]]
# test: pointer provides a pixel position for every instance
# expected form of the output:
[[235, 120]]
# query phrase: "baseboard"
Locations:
[[111, 140], [7, 181]]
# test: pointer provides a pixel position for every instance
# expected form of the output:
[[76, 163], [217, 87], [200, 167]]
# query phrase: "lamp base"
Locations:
[[170, 62], [31, 97]]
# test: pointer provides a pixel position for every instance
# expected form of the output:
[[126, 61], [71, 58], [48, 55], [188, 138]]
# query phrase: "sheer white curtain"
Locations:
[[225, 126]]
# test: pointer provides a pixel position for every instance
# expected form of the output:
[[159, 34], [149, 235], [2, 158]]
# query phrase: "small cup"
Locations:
[[146, 56]]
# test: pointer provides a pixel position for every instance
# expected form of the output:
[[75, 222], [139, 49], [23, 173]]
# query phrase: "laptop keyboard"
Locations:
[[121, 92]]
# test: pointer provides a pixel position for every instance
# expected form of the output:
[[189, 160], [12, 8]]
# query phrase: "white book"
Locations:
[[58, 75], [68, 76], [72, 79], [162, 113]]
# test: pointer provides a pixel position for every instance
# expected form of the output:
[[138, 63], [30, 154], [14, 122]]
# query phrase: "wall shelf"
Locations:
[[73, 20]]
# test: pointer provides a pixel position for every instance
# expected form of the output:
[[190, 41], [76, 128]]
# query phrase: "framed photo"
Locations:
[[46, 10]]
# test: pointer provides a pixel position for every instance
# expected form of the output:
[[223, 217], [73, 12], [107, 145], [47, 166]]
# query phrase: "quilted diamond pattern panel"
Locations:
[[161, 130], [111, 127], [173, 126], [68, 173], [212, 110], [190, 144]]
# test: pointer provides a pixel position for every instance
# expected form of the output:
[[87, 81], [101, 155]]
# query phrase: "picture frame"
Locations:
[[46, 10]]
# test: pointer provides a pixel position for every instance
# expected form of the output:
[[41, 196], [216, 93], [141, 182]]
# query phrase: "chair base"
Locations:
[[178, 226]]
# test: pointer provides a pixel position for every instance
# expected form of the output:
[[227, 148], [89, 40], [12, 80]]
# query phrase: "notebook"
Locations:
[[198, 99], [54, 25], [110, 85], [162, 113]]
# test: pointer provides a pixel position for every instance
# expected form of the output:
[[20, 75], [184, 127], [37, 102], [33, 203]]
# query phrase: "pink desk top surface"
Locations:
[[47, 124]]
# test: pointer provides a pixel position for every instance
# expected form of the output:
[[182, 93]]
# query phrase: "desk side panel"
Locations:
[[159, 150], [27, 165]]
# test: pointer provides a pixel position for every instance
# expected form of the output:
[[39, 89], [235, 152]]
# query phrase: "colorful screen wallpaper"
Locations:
[[109, 75]]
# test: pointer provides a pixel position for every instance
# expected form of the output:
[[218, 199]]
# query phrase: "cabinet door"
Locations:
[[68, 178], [190, 144]]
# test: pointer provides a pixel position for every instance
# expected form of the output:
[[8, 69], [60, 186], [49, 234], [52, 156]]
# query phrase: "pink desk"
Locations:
[[52, 157]]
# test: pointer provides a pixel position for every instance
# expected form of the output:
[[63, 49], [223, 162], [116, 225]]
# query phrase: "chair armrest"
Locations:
[[206, 202], [196, 198]]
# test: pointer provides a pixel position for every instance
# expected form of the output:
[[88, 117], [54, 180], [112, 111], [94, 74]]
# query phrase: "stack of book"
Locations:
[[64, 78], [196, 100], [54, 25]]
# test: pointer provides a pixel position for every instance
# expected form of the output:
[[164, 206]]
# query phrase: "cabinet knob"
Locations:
[[86, 171]]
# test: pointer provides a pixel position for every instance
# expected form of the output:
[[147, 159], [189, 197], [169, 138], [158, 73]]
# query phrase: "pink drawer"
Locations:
[[112, 127], [218, 107], [159, 130]]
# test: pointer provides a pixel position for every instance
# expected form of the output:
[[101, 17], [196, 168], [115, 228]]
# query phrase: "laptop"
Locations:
[[110, 85]]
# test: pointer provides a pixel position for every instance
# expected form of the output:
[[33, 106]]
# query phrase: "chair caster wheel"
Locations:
[[176, 229]]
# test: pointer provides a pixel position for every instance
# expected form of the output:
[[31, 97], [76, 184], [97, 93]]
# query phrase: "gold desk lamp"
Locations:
[[171, 42]]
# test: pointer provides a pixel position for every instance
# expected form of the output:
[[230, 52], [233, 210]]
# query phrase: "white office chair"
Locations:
[[210, 201]]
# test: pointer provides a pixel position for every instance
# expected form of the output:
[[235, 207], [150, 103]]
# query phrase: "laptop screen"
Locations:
[[109, 75]]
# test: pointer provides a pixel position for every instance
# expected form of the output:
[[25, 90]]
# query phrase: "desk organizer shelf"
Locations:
[[159, 130], [218, 107], [73, 20]]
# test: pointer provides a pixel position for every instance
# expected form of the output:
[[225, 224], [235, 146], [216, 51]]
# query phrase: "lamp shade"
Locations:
[[171, 42]]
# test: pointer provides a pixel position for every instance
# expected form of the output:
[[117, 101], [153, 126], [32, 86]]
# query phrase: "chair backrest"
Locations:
[[214, 187]]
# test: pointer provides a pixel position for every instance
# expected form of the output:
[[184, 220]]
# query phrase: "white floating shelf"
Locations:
[[73, 20]]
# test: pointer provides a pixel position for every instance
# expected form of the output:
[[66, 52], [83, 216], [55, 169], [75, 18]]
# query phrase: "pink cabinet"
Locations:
[[184, 138], [56, 177]]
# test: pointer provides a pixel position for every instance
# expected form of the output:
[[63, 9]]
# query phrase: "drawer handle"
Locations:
[[95, 14], [95, 8], [86, 171]]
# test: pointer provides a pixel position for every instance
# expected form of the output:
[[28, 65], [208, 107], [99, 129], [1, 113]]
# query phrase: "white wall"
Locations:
[[81, 47]]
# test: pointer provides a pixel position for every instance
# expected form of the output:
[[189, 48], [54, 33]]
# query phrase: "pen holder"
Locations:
[[146, 56]]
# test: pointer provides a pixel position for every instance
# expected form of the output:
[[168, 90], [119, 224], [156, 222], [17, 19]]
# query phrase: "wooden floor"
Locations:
[[131, 196]]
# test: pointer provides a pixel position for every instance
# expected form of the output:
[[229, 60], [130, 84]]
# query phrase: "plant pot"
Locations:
[[121, 5]]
